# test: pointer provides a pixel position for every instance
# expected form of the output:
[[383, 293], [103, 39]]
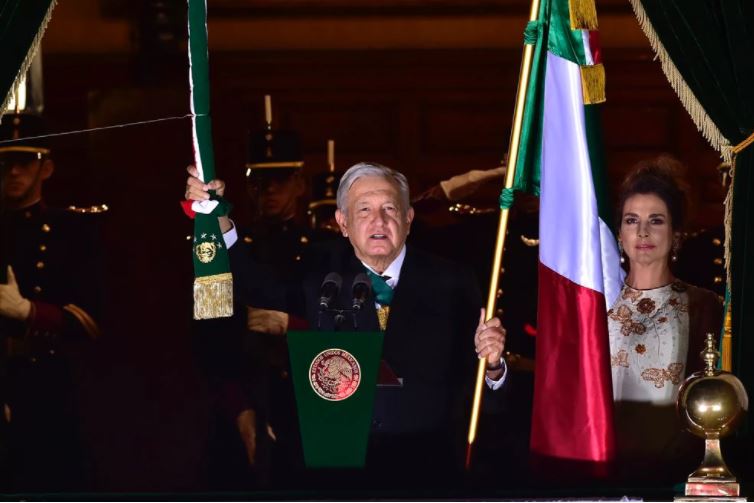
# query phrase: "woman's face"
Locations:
[[646, 231]]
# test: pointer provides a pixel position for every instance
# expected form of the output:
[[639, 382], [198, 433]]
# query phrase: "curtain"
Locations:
[[22, 24], [706, 48]]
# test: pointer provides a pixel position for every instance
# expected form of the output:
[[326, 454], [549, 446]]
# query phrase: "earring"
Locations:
[[620, 252], [674, 256]]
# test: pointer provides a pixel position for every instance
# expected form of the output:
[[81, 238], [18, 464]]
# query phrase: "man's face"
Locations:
[[23, 174], [277, 193], [375, 221]]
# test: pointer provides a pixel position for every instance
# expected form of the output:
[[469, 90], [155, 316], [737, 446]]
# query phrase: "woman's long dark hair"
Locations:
[[659, 176]]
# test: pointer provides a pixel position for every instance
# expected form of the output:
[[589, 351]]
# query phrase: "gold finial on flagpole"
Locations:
[[331, 156], [268, 111]]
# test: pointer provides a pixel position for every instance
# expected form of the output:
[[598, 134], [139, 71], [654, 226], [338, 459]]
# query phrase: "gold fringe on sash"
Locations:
[[213, 296], [593, 84], [583, 14], [695, 109], [29, 57]]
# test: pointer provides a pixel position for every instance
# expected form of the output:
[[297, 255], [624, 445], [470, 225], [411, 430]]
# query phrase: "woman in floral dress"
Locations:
[[657, 326]]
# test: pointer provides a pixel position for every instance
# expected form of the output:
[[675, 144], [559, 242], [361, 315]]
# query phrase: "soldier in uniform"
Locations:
[[49, 309], [250, 377], [321, 211], [276, 238]]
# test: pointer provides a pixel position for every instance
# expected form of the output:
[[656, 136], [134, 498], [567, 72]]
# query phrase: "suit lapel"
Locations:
[[402, 310]]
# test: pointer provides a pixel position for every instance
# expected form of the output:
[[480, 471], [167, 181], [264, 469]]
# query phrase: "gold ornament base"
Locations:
[[710, 498], [712, 403], [727, 488]]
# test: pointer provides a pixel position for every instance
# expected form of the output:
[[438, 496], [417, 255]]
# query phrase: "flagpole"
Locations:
[[518, 115]]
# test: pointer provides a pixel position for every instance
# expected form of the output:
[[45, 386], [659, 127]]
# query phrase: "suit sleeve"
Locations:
[[493, 400]]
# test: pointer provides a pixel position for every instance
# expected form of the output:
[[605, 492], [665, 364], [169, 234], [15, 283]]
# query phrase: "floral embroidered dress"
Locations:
[[655, 339], [649, 343]]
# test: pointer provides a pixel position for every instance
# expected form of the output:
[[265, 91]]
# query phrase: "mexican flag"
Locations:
[[213, 281], [560, 159]]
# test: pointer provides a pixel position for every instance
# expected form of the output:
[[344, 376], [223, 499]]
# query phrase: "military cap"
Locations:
[[20, 133], [273, 150], [323, 203], [324, 189]]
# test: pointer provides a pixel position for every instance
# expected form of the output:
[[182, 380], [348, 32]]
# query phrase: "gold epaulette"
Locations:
[[102, 208], [467, 209]]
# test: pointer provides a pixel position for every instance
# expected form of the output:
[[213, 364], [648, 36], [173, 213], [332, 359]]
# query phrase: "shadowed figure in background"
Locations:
[[464, 209], [49, 312], [256, 439]]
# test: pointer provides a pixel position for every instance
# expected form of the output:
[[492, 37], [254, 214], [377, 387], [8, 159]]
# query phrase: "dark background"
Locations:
[[425, 86]]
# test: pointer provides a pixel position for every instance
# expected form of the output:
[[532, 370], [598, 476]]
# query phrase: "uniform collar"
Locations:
[[31, 211]]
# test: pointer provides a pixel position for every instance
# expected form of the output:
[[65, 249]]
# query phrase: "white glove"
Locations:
[[12, 304]]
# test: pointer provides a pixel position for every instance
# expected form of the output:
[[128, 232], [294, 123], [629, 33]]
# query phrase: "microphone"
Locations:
[[360, 289], [329, 290]]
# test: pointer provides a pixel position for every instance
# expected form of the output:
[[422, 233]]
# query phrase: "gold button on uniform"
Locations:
[[40, 265], [46, 228], [37, 289], [42, 247]]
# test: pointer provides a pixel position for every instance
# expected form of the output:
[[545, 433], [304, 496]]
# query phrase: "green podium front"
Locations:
[[334, 377]]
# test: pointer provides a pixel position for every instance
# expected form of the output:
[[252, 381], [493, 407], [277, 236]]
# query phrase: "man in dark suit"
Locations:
[[428, 308], [49, 307]]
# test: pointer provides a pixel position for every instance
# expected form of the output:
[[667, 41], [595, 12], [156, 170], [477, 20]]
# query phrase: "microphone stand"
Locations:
[[339, 316]]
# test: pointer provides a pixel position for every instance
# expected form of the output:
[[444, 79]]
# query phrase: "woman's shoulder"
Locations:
[[698, 295], [705, 310]]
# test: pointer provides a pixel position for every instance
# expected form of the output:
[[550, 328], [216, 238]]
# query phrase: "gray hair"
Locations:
[[372, 169]]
